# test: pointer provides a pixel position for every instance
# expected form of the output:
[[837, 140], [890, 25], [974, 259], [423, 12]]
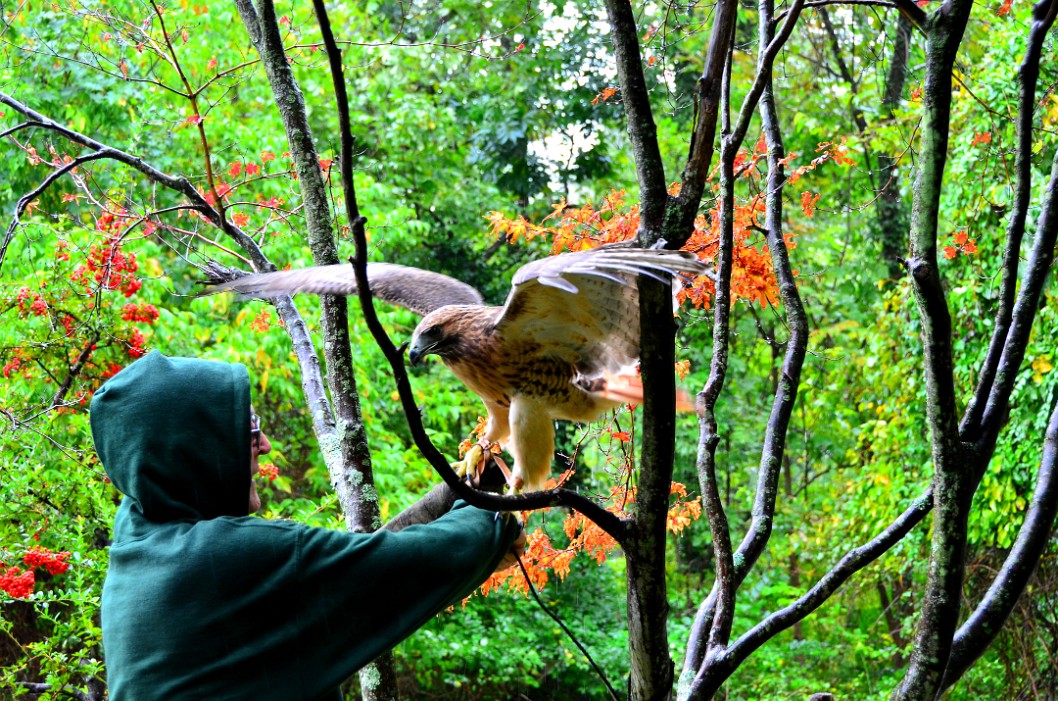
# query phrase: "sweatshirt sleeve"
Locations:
[[364, 593]]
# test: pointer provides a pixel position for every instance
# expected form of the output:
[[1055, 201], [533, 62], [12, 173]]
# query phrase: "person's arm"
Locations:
[[364, 593]]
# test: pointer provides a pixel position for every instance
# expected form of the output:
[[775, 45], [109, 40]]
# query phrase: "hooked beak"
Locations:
[[414, 356]]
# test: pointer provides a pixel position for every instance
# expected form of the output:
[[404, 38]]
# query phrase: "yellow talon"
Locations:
[[472, 464]]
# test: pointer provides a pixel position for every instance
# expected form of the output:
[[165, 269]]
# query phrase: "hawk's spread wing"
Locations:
[[418, 290], [584, 307]]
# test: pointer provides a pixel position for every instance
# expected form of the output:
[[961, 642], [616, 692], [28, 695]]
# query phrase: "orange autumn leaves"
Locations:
[[752, 278], [960, 243], [581, 228], [541, 558]]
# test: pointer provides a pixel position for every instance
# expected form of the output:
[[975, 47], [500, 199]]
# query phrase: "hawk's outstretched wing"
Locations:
[[418, 290], [584, 307]]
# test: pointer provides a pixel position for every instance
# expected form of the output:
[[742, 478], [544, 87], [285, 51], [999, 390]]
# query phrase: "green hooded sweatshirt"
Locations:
[[202, 601]]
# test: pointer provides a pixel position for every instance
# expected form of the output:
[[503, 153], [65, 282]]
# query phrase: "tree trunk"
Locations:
[[890, 212]]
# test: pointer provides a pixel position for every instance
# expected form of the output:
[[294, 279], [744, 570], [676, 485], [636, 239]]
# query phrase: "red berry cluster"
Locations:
[[19, 584], [109, 266], [268, 470], [14, 364], [136, 343], [16, 583], [146, 313], [31, 302], [67, 322], [53, 562], [112, 369]]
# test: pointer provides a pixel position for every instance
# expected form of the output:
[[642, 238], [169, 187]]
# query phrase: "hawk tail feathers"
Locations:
[[627, 388]]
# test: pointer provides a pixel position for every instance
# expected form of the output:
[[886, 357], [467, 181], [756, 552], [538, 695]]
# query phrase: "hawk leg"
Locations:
[[532, 443]]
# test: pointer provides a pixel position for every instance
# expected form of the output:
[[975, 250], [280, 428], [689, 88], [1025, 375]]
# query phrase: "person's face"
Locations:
[[259, 445]]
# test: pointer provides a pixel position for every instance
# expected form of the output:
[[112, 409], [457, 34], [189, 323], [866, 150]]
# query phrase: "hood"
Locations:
[[173, 435]]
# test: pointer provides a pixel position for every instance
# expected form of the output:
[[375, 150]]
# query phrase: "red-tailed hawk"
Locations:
[[563, 346]]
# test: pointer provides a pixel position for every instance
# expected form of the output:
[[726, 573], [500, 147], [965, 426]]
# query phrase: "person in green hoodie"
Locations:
[[202, 601]]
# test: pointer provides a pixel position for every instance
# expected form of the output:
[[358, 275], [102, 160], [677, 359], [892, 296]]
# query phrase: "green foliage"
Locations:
[[451, 126]]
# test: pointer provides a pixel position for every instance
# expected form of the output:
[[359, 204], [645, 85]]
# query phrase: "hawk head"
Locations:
[[441, 332]]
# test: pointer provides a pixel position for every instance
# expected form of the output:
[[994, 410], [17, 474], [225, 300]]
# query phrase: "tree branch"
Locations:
[[682, 209], [843, 69], [75, 370], [796, 322], [343, 438], [914, 14], [984, 624], [1022, 317], [764, 69], [709, 435], [715, 671], [311, 377], [851, 563], [182, 186], [536, 500], [651, 664], [28, 198]]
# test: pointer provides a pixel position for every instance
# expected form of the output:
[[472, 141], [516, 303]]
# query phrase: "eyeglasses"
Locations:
[[255, 431]]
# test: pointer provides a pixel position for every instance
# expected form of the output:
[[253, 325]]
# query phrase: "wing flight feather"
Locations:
[[421, 291]]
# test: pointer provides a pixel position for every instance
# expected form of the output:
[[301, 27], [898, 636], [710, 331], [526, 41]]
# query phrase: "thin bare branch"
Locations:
[[557, 497], [764, 69], [851, 563], [709, 436], [679, 220], [179, 185], [28, 198], [831, 3], [1023, 315]]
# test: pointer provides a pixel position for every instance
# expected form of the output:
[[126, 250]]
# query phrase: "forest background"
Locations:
[[474, 123]]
